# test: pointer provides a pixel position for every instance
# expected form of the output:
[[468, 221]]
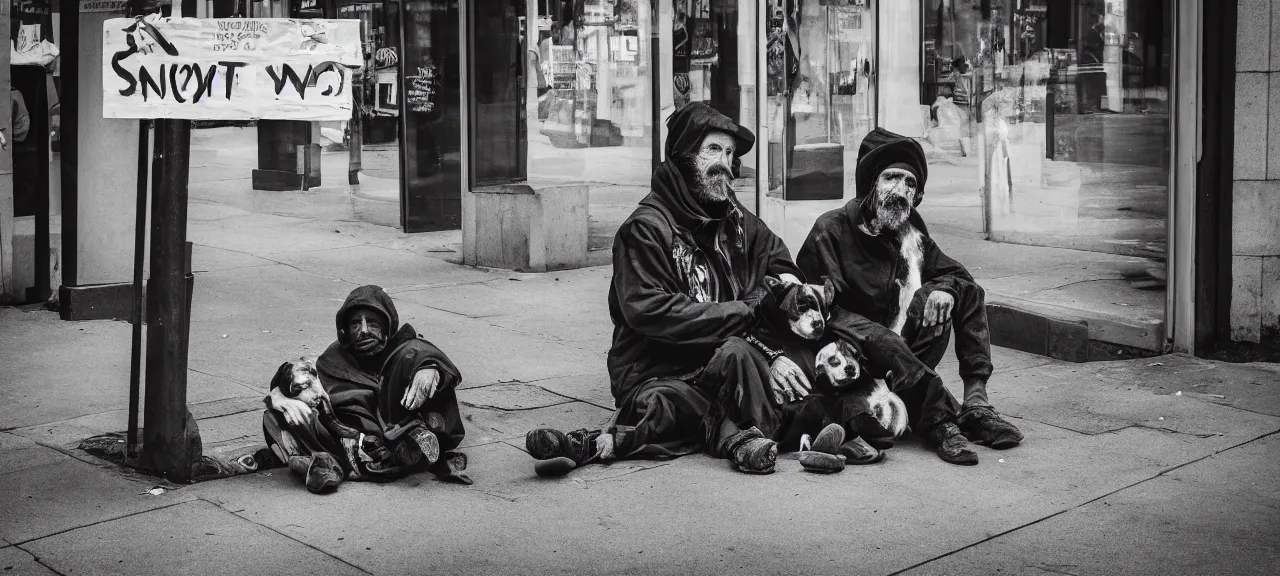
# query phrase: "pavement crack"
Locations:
[[290, 537], [95, 523], [503, 409], [1169, 431], [286, 264], [39, 560], [1081, 505]]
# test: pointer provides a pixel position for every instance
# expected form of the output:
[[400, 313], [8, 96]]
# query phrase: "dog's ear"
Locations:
[[772, 283], [828, 291], [284, 375]]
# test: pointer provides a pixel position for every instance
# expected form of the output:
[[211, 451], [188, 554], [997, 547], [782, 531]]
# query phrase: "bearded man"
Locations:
[[390, 385], [688, 276], [905, 297]]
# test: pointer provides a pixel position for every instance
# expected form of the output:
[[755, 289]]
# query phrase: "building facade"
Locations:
[[1062, 134]]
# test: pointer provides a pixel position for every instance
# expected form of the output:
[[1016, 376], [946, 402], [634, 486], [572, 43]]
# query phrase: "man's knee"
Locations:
[[734, 350]]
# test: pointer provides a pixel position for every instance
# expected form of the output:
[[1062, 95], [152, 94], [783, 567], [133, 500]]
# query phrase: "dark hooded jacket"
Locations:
[[353, 385], [685, 280], [864, 268]]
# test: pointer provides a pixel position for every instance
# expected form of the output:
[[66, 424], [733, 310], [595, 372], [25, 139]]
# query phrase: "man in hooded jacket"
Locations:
[[390, 385], [902, 296], [688, 272]]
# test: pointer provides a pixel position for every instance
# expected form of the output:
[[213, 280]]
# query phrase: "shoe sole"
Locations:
[[429, 445], [821, 462], [963, 461], [829, 439], [554, 467]]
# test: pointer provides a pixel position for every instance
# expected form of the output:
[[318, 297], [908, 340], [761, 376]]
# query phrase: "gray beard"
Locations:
[[711, 191]]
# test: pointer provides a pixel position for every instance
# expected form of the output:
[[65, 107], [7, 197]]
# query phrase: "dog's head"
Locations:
[[838, 364], [805, 308], [300, 380]]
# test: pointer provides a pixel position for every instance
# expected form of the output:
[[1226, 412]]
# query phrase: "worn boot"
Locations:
[[857, 452], [750, 452], [822, 455], [320, 472], [558, 452], [982, 425], [452, 468], [951, 444], [426, 444]]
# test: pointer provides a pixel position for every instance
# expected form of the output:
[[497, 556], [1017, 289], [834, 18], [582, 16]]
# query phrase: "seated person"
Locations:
[[688, 276], [903, 297], [387, 383]]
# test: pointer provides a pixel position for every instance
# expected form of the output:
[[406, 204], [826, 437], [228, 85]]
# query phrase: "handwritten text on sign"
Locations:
[[229, 69]]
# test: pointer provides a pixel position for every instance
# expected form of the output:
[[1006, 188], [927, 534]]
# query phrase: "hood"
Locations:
[[686, 128], [688, 125], [881, 149], [369, 296]]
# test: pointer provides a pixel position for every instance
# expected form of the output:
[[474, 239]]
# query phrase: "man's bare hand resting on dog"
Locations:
[[423, 388], [788, 381], [296, 412]]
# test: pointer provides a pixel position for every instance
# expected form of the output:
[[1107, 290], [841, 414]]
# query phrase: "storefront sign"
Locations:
[[98, 6], [229, 68]]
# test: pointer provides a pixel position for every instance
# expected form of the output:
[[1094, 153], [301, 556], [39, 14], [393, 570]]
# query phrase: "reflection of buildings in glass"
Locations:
[[591, 55]]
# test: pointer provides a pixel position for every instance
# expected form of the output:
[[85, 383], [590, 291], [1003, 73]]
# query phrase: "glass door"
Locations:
[[822, 101]]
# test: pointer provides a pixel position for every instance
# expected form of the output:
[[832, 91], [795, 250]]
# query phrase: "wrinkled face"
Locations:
[[366, 331], [839, 362], [895, 195], [713, 167]]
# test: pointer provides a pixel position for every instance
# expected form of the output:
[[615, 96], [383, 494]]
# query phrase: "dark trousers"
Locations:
[[972, 334], [738, 378], [674, 417], [439, 414]]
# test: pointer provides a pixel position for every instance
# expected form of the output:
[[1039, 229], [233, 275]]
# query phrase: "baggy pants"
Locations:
[[439, 414], [972, 335]]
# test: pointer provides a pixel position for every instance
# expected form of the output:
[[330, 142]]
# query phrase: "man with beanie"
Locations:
[[688, 276], [390, 385], [906, 297]]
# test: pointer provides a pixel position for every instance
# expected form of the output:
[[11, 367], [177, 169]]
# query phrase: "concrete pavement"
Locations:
[[1120, 474]]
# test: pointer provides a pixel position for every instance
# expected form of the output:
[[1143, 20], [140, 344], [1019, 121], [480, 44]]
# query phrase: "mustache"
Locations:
[[719, 171]]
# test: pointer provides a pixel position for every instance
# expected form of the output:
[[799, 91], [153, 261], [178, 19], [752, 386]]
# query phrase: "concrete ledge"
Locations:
[[279, 180], [528, 227], [1069, 334], [96, 302]]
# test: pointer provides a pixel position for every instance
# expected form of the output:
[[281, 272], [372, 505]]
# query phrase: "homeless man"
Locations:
[[393, 388], [688, 271], [891, 276]]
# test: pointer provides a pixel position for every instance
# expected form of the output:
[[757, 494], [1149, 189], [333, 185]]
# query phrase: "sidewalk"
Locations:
[[1119, 474]]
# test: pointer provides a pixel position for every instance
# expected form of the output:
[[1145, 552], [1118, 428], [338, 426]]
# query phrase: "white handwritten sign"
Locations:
[[229, 68]]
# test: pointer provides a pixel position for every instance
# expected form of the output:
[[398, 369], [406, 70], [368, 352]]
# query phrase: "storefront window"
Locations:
[[589, 67], [714, 61], [1075, 114], [823, 67]]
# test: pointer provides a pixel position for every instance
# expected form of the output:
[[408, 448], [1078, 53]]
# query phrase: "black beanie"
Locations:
[[882, 149]]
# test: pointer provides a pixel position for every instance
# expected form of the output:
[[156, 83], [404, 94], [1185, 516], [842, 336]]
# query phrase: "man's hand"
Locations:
[[604, 446], [788, 380], [296, 412], [423, 388], [937, 309]]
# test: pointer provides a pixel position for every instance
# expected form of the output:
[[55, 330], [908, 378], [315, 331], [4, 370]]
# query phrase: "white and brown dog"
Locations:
[[838, 366]]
